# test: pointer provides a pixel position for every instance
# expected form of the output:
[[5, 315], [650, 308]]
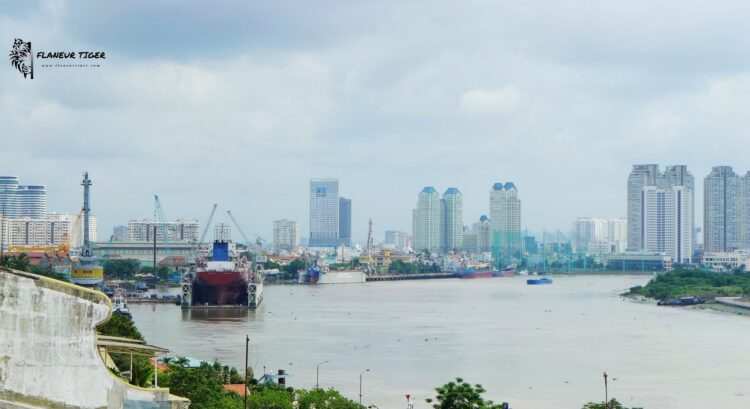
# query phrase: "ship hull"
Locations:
[[476, 274], [220, 288]]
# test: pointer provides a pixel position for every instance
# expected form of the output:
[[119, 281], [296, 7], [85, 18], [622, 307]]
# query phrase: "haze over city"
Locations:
[[561, 98]]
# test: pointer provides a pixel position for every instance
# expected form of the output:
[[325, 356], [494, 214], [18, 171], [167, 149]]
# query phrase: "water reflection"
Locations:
[[220, 315]]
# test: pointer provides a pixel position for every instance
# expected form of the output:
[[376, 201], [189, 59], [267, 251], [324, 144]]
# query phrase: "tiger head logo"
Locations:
[[21, 58]]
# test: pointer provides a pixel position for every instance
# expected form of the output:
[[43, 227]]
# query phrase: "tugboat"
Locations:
[[538, 281], [120, 304]]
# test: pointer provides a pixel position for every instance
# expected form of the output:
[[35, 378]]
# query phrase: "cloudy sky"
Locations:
[[241, 102]]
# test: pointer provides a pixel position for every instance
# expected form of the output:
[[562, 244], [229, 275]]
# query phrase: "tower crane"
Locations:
[[162, 220], [208, 223]]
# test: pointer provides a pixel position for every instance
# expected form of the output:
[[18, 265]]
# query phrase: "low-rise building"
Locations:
[[726, 261], [639, 261]]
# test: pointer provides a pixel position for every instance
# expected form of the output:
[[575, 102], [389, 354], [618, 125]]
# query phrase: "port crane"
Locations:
[[208, 223], [162, 221]]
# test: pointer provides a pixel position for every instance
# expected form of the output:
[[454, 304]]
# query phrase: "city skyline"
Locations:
[[584, 98]]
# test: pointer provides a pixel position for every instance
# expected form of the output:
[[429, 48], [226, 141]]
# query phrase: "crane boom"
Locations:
[[208, 223], [244, 236]]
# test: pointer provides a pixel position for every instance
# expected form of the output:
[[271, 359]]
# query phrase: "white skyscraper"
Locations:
[[642, 179], [452, 220], [668, 221], [187, 231], [505, 219], [590, 230], [617, 231], [426, 221], [19, 201], [324, 212], [285, 235]]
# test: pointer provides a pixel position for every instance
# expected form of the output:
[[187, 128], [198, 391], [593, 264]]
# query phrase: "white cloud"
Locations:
[[485, 101]]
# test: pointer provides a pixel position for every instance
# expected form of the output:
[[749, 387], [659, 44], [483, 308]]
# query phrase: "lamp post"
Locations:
[[317, 374], [247, 347], [606, 395], [360, 385]]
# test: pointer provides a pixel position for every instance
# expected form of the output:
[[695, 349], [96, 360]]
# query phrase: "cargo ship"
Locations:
[[474, 273], [509, 271], [223, 279]]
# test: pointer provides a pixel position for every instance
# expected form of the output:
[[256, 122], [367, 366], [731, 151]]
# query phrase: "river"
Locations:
[[532, 346]]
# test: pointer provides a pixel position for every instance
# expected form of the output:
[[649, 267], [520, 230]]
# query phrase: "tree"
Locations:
[[462, 395], [271, 397], [121, 268], [292, 268], [324, 399], [613, 404]]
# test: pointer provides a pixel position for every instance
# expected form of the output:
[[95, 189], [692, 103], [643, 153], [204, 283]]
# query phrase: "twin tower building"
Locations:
[[438, 222]]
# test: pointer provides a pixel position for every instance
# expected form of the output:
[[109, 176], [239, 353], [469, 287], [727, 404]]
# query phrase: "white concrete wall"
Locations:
[[48, 354]]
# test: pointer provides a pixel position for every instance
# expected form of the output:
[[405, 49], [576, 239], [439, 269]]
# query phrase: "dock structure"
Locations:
[[426, 276]]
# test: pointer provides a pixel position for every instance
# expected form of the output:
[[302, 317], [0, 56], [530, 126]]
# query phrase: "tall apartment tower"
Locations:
[[743, 211], [640, 176], [647, 176], [505, 219], [285, 235], [484, 234], [18, 201], [452, 220], [720, 210], [324, 212], [345, 221], [668, 221], [426, 221]]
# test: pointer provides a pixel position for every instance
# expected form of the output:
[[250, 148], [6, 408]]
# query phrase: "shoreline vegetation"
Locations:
[[685, 282]]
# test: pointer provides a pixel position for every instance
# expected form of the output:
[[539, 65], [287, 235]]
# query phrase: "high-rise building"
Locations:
[[640, 176], [668, 221], [54, 230], [426, 221], [648, 176], [345, 221], [484, 234], [187, 231], [505, 219], [451, 220], [285, 235], [743, 212], [19, 201], [120, 233], [589, 230], [324, 212], [617, 230], [399, 240], [720, 210]]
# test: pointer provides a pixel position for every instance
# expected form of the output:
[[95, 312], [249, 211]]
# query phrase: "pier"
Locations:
[[426, 276]]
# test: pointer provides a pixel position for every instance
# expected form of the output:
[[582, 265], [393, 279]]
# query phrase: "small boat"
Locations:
[[538, 281], [120, 305], [508, 271]]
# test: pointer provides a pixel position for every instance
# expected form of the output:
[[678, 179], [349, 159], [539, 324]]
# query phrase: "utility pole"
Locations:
[[247, 349], [606, 395]]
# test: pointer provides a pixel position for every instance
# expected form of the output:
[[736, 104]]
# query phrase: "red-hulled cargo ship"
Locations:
[[221, 279], [509, 271]]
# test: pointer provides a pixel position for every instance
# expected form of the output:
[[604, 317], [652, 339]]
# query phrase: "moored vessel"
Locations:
[[224, 279], [538, 281]]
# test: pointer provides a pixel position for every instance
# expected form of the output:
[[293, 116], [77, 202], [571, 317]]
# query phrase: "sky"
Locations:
[[240, 103]]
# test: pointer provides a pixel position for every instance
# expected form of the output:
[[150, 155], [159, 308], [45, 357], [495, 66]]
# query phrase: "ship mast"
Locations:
[[87, 250]]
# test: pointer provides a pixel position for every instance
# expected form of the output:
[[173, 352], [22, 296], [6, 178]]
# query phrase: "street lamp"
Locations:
[[317, 374], [606, 396], [360, 385]]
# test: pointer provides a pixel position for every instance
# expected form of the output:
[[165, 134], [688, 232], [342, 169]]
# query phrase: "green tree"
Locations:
[[318, 398], [201, 385], [613, 404], [291, 269], [125, 268], [271, 397], [461, 395]]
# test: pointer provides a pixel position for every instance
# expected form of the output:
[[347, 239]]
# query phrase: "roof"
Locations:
[[452, 191], [127, 345], [237, 388], [429, 189], [503, 186], [483, 218]]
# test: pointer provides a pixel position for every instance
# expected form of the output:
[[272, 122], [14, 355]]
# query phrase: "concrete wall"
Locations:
[[48, 354]]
